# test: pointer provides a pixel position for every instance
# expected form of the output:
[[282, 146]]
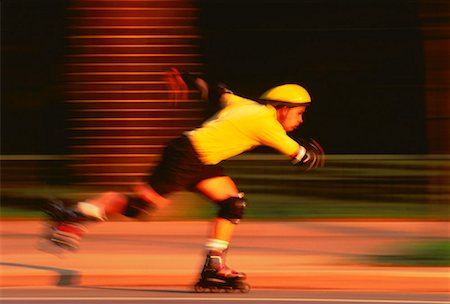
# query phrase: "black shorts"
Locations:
[[180, 168]]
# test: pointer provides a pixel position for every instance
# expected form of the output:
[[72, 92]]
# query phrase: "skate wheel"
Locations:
[[47, 246], [199, 288], [214, 289], [245, 288]]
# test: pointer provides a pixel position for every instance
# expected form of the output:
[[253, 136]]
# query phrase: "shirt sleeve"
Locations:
[[273, 135]]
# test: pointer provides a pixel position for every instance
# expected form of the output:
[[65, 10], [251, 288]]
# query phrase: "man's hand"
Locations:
[[310, 156], [177, 87]]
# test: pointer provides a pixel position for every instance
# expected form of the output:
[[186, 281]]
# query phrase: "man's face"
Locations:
[[291, 118]]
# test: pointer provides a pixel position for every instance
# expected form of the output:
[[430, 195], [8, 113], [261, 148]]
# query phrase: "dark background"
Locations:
[[32, 58], [361, 61]]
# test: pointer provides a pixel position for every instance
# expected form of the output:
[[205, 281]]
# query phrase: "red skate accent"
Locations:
[[71, 228]]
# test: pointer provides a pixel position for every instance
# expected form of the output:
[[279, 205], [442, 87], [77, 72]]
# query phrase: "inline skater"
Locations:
[[192, 161]]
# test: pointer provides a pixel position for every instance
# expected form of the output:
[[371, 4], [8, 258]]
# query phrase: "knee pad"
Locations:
[[232, 208], [136, 207]]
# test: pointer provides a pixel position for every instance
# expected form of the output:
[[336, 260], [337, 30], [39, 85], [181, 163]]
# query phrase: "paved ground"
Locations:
[[135, 295], [296, 255]]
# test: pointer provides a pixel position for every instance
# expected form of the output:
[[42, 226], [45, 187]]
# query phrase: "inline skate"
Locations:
[[63, 226], [216, 276]]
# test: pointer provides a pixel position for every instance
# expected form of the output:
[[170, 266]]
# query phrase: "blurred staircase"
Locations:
[[121, 115]]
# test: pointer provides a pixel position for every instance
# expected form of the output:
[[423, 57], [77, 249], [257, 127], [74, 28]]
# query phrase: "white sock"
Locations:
[[216, 245], [91, 210]]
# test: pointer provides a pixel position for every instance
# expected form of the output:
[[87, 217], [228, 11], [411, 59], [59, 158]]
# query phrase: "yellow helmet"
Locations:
[[291, 95]]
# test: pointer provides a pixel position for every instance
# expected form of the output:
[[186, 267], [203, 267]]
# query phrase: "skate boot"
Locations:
[[216, 276], [64, 227]]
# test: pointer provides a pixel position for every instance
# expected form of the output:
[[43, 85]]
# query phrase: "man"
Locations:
[[192, 161]]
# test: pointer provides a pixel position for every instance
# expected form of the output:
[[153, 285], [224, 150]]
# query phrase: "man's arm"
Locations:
[[310, 155]]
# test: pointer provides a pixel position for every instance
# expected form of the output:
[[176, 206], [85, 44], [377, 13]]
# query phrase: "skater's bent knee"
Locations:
[[232, 208]]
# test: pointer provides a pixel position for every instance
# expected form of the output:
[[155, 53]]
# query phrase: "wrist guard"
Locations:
[[310, 155]]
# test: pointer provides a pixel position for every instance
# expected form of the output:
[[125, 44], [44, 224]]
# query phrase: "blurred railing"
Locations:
[[19, 171], [348, 185], [376, 178]]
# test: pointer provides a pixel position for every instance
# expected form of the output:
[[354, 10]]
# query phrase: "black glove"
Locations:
[[312, 157]]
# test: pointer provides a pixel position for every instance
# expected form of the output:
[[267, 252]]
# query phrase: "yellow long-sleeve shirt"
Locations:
[[241, 125]]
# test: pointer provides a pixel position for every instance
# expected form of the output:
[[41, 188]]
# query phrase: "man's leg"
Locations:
[[68, 227], [231, 204], [103, 205], [219, 189], [143, 197]]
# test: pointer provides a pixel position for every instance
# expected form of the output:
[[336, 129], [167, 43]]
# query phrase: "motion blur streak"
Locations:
[[118, 53]]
